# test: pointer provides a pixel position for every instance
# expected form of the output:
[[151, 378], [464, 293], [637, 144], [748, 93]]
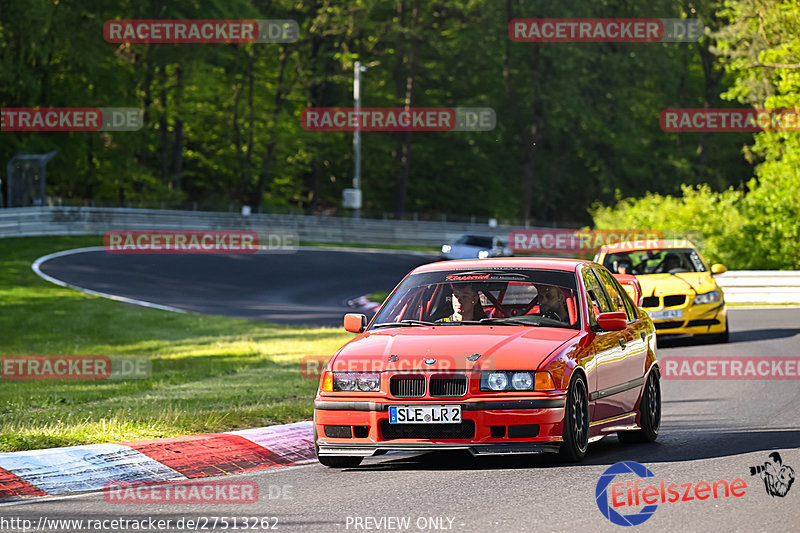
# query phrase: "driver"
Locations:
[[552, 303]]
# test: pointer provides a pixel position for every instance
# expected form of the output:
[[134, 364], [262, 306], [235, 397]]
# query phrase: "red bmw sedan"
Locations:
[[495, 356]]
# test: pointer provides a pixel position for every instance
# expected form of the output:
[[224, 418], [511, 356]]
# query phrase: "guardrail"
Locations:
[[31, 221], [770, 286], [744, 286]]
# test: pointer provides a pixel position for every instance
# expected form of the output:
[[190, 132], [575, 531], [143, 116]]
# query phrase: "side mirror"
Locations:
[[355, 323], [612, 321], [631, 286], [718, 269]]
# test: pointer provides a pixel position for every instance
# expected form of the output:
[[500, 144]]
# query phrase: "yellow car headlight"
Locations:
[[707, 298]]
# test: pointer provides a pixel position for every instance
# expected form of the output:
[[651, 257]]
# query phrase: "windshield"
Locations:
[[525, 297], [665, 261], [474, 240]]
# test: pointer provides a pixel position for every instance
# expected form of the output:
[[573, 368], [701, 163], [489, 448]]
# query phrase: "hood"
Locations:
[[680, 283], [447, 348]]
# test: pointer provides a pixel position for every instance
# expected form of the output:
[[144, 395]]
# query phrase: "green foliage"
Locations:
[[709, 219], [766, 56], [759, 229], [222, 120]]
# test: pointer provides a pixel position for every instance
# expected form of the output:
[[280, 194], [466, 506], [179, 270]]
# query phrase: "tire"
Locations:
[[576, 421], [649, 413], [335, 461]]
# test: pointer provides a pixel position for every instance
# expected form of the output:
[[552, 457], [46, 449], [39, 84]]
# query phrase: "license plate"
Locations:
[[666, 314], [425, 414]]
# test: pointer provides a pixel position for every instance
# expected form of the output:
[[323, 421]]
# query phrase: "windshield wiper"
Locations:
[[405, 323], [524, 320]]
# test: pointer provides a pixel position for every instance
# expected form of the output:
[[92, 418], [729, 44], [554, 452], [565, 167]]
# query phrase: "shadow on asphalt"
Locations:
[[692, 443]]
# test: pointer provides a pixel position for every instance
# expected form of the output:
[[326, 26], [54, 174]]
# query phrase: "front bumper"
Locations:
[[700, 319], [370, 449], [492, 427]]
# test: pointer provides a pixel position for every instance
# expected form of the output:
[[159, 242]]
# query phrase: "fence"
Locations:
[[771, 286], [32, 221]]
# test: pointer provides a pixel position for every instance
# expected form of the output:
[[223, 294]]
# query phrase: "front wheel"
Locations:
[[576, 421], [335, 461], [649, 413]]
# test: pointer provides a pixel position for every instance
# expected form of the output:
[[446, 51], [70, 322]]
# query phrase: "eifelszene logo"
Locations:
[[778, 477], [635, 493], [601, 494]]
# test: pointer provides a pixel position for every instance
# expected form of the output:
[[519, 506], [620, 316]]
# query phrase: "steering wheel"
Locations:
[[551, 315]]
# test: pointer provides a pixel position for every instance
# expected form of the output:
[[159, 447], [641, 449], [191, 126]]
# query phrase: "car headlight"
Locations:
[[507, 381], [356, 381], [522, 381], [483, 254], [707, 298], [446, 248], [497, 381]]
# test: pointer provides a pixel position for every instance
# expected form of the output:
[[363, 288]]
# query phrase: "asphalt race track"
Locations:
[[711, 430], [308, 287]]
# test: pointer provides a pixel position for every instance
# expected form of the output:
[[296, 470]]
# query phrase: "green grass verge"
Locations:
[[209, 373], [378, 297]]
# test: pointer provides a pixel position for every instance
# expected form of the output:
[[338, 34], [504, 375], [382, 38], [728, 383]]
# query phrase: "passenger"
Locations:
[[624, 266], [672, 263], [466, 304]]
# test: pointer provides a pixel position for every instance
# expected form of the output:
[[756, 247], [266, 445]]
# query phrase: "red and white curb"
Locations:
[[362, 303], [88, 468]]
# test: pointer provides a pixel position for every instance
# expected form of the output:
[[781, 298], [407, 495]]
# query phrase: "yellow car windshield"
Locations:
[[655, 261]]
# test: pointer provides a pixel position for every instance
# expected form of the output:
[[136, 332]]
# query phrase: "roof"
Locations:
[[654, 244], [547, 263]]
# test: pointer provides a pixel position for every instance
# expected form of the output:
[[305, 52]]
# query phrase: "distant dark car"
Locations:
[[476, 247]]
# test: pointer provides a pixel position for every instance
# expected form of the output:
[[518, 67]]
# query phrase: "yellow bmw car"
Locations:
[[679, 291]]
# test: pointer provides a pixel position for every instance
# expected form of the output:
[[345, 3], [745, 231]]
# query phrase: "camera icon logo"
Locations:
[[778, 477]]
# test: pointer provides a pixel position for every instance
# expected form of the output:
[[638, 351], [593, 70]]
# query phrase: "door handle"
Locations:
[[623, 343]]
